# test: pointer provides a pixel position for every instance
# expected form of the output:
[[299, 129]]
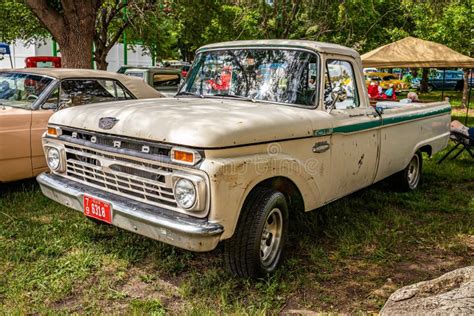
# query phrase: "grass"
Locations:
[[346, 257]]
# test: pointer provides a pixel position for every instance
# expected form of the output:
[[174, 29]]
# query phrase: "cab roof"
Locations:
[[320, 47]]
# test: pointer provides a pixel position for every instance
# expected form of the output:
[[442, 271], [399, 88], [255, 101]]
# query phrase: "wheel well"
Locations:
[[426, 149], [288, 188]]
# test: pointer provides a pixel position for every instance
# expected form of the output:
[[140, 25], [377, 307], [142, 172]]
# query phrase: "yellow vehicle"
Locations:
[[385, 79]]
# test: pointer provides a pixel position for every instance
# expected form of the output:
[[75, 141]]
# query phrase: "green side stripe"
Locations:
[[414, 116], [373, 124], [357, 127]]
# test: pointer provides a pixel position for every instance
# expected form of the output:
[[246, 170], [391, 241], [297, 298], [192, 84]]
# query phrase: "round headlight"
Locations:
[[54, 159], [185, 193]]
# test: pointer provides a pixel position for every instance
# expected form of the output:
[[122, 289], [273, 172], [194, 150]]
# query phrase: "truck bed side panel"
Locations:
[[408, 128]]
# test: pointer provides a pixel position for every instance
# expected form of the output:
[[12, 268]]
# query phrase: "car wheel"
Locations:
[[409, 178], [260, 236]]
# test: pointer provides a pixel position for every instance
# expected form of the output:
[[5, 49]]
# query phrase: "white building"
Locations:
[[19, 51]]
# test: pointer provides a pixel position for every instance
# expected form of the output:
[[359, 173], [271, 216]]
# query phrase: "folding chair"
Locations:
[[463, 137]]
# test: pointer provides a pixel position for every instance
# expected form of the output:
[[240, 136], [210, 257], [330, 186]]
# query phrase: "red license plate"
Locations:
[[97, 209]]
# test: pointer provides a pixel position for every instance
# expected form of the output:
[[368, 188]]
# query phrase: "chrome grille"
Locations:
[[141, 181]]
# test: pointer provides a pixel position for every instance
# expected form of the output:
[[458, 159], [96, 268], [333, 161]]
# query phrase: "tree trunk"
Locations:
[[73, 27], [76, 50], [465, 90], [100, 59], [424, 80]]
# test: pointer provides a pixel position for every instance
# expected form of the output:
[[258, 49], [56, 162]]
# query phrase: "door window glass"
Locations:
[[85, 91], [339, 74]]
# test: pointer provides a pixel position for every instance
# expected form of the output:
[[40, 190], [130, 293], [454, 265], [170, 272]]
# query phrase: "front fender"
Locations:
[[232, 179]]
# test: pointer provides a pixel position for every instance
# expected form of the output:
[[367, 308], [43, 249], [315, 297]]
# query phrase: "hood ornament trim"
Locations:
[[107, 122]]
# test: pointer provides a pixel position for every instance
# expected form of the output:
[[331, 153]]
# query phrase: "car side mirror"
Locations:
[[338, 94]]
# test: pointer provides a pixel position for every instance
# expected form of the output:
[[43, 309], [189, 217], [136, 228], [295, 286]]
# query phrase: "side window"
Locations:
[[85, 91], [122, 94], [52, 101], [115, 89], [339, 73]]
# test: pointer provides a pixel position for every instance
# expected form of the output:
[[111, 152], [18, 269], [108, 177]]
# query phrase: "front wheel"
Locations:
[[260, 236], [409, 178]]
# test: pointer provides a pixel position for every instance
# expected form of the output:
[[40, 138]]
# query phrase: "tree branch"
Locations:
[[51, 19]]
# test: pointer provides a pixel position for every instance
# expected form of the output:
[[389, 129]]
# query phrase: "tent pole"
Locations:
[[469, 81], [442, 86]]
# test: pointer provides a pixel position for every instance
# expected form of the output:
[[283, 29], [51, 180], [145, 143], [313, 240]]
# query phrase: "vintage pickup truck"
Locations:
[[260, 130]]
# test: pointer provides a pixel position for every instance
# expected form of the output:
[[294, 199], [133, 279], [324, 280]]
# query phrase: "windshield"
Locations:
[[275, 75], [21, 90]]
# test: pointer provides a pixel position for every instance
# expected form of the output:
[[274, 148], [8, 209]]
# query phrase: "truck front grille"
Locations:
[[135, 179]]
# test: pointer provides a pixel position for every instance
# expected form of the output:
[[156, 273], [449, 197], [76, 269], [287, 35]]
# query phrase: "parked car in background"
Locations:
[[370, 69], [260, 132], [43, 62], [385, 79], [164, 80], [451, 80], [28, 97]]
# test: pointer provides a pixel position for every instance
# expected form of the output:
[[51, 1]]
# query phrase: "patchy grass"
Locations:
[[346, 257]]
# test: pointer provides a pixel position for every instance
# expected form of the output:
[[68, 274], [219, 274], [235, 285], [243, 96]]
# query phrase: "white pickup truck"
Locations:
[[259, 131]]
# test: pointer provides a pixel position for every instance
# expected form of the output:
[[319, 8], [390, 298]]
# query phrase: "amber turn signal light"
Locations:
[[183, 156], [52, 131]]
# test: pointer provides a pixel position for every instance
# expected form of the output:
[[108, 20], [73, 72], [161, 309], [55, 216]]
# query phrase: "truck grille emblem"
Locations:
[[107, 122], [117, 143], [145, 149], [94, 139]]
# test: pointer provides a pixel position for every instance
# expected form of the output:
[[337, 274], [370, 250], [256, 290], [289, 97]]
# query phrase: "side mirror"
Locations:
[[338, 94]]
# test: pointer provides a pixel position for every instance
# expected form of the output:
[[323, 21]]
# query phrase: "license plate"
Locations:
[[97, 209]]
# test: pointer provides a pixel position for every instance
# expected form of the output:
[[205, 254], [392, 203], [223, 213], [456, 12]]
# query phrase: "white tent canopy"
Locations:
[[415, 52]]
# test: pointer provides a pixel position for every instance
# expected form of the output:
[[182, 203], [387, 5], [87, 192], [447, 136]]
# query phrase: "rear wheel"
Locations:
[[260, 236], [409, 178]]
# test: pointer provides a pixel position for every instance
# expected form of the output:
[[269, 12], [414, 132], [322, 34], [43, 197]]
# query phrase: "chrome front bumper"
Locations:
[[167, 226]]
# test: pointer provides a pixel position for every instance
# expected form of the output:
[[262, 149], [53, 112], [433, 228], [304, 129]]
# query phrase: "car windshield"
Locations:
[[283, 76], [20, 89]]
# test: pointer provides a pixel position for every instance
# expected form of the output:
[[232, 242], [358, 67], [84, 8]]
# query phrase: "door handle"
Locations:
[[320, 147]]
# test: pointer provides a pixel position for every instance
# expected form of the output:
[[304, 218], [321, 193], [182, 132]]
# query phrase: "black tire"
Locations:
[[247, 254], [409, 178]]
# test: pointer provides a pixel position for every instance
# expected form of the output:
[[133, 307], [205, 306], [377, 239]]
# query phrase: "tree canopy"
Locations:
[[176, 28]]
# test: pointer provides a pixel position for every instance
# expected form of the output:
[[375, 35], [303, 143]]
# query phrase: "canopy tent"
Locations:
[[5, 50], [415, 52], [412, 52]]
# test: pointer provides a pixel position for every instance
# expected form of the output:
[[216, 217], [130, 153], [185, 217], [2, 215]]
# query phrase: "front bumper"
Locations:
[[167, 226]]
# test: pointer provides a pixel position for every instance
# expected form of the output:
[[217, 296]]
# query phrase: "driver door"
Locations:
[[356, 131]]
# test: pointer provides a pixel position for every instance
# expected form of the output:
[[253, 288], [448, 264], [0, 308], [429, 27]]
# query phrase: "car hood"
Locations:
[[193, 122]]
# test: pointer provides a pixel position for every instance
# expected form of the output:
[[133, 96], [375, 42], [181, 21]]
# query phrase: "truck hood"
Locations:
[[193, 122]]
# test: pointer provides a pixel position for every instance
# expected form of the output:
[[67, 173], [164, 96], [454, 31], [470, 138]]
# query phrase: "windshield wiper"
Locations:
[[232, 96], [189, 93]]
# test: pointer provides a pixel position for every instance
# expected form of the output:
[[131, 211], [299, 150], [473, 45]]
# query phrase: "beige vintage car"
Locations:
[[259, 131], [28, 97]]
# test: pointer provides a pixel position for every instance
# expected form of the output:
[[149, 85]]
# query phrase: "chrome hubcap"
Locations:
[[271, 237], [413, 171]]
